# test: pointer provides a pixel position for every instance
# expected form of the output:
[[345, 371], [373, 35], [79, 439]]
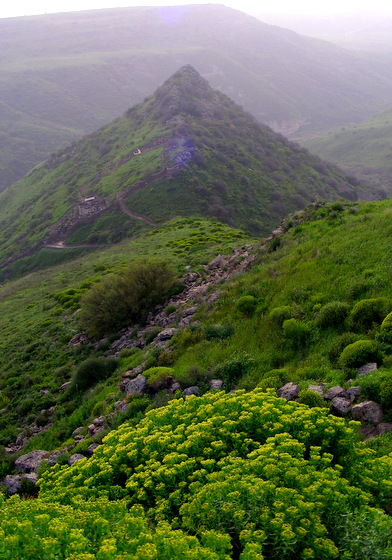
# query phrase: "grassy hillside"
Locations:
[[187, 150], [362, 150], [71, 73], [226, 475]]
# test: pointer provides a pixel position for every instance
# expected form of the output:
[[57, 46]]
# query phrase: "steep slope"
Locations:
[[187, 150], [49, 63], [363, 150]]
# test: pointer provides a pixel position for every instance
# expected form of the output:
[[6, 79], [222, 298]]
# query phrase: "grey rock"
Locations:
[[52, 459], [99, 421], [185, 322], [384, 428], [31, 461], [31, 477], [353, 393], [218, 262], [12, 483], [336, 391], [75, 458], [44, 392], [175, 386], [368, 411], [290, 391], [120, 406], [78, 431], [166, 334], [190, 311], [79, 438], [215, 384], [137, 386], [92, 448], [65, 385], [190, 391], [317, 389], [366, 369], [340, 406]]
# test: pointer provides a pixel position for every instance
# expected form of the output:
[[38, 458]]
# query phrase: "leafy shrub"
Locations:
[[385, 334], [333, 314], [92, 371], [281, 314], [311, 398], [126, 297], [296, 332], [232, 370], [365, 535], [158, 377], [221, 332], [339, 344], [170, 309], [369, 311], [246, 304], [271, 382], [359, 353]]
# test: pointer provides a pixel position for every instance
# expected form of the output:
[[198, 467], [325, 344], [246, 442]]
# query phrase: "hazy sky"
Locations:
[[29, 7]]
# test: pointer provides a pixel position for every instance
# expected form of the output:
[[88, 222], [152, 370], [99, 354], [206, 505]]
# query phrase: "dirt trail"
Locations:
[[133, 215]]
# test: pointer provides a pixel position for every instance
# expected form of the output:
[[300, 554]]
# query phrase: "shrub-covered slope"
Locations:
[[362, 150], [186, 150], [63, 75]]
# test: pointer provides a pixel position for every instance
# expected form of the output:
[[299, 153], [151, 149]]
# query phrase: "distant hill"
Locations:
[[363, 150], [64, 75], [367, 31], [186, 150]]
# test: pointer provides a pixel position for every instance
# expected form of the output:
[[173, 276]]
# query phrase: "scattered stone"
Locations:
[[21, 440], [384, 428], [75, 458], [78, 431], [317, 389], [30, 462], [99, 421], [175, 386], [92, 448], [190, 311], [366, 369], [166, 334], [190, 391], [290, 391], [44, 392], [353, 393], [120, 406], [367, 411], [65, 385], [218, 262], [79, 438], [215, 384], [12, 483], [53, 457], [340, 406], [137, 386], [77, 340], [336, 391]]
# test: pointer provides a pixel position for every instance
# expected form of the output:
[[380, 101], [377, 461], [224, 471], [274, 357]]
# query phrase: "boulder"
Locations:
[[340, 406], [215, 384], [190, 391], [190, 311], [166, 334], [92, 448], [317, 389], [137, 386], [366, 369], [218, 262], [30, 462], [336, 391], [367, 411], [175, 386], [75, 458], [353, 393], [12, 483], [120, 406], [290, 391], [52, 459]]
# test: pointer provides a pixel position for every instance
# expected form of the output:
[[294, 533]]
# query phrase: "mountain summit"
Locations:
[[186, 150]]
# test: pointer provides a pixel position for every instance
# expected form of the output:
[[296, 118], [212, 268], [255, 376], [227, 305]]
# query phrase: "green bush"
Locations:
[[281, 314], [158, 377], [311, 398], [170, 309], [296, 332], [339, 344], [369, 311], [151, 334], [271, 382], [246, 305], [359, 353], [126, 297], [333, 314], [92, 371], [221, 332], [385, 334]]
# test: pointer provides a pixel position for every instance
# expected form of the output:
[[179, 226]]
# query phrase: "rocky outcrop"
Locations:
[[137, 386], [368, 411], [30, 462], [290, 391], [367, 369]]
